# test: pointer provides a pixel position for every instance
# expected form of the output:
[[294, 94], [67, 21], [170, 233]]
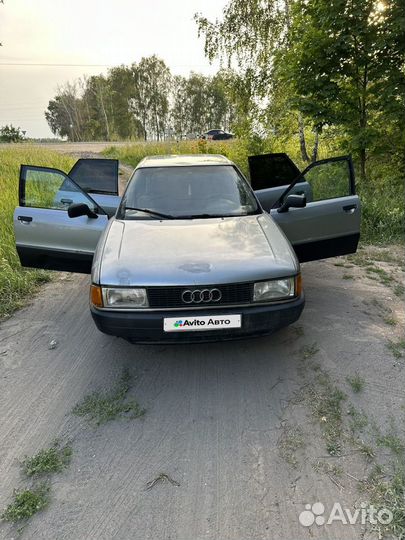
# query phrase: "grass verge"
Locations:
[[16, 283]]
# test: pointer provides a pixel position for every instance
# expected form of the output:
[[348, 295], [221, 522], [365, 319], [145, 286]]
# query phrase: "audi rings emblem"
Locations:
[[200, 296]]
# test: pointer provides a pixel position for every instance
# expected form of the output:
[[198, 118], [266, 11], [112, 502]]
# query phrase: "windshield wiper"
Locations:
[[196, 216], [152, 212], [206, 216]]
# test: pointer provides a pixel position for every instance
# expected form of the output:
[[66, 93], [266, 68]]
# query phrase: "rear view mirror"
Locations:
[[80, 209], [293, 201]]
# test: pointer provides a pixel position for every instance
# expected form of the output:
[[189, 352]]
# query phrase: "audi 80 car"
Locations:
[[191, 251]]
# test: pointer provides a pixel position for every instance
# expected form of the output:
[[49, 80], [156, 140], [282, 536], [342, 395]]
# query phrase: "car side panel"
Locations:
[[322, 229], [52, 240]]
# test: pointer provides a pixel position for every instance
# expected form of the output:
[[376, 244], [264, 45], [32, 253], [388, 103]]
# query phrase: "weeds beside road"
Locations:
[[17, 283]]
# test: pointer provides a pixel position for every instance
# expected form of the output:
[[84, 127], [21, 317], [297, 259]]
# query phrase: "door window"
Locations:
[[329, 179], [50, 188], [272, 170], [96, 175]]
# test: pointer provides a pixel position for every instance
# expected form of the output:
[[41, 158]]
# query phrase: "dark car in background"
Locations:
[[216, 135]]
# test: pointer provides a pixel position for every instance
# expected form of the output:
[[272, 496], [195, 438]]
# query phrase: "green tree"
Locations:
[[345, 63], [65, 113], [122, 87], [242, 110], [178, 112], [9, 133], [141, 100], [247, 39], [200, 103], [97, 105], [150, 100], [196, 104], [221, 109], [337, 63]]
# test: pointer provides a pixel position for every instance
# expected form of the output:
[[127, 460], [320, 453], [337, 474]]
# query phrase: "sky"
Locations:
[[95, 34]]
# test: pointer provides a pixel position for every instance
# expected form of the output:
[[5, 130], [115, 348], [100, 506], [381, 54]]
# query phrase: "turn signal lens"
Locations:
[[96, 298], [298, 285]]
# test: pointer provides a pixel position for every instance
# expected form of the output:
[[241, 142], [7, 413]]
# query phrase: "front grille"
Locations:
[[170, 297]]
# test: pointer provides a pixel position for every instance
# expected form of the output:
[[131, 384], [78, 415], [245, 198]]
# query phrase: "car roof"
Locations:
[[184, 160]]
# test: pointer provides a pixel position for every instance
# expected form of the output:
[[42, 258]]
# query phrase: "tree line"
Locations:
[[141, 101], [325, 70]]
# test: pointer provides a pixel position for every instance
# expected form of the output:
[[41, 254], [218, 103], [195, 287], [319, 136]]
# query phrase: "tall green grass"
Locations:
[[382, 194], [17, 283]]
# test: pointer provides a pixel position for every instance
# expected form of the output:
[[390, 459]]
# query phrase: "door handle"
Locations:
[[66, 201], [350, 208], [25, 219]]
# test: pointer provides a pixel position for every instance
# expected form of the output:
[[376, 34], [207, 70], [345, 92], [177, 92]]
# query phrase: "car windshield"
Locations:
[[187, 192]]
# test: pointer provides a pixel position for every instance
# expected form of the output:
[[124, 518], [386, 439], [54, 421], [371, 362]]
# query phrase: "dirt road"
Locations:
[[231, 422]]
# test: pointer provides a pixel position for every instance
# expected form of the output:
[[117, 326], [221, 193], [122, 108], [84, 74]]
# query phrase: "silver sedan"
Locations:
[[190, 252]]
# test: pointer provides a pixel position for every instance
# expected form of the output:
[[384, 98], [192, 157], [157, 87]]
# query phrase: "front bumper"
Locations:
[[147, 326]]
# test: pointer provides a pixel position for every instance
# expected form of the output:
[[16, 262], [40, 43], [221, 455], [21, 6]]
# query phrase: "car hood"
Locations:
[[193, 252]]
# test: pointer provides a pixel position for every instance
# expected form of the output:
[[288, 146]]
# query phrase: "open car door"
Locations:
[[328, 222], [46, 237]]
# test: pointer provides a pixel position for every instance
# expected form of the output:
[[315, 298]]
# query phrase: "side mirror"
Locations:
[[293, 201], [80, 209]]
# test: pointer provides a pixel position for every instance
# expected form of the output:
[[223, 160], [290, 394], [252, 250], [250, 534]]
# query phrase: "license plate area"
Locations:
[[201, 324]]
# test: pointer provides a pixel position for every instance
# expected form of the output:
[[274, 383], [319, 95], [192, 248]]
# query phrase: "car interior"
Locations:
[[197, 190]]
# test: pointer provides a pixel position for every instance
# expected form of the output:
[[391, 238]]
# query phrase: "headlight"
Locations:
[[121, 297], [276, 289]]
